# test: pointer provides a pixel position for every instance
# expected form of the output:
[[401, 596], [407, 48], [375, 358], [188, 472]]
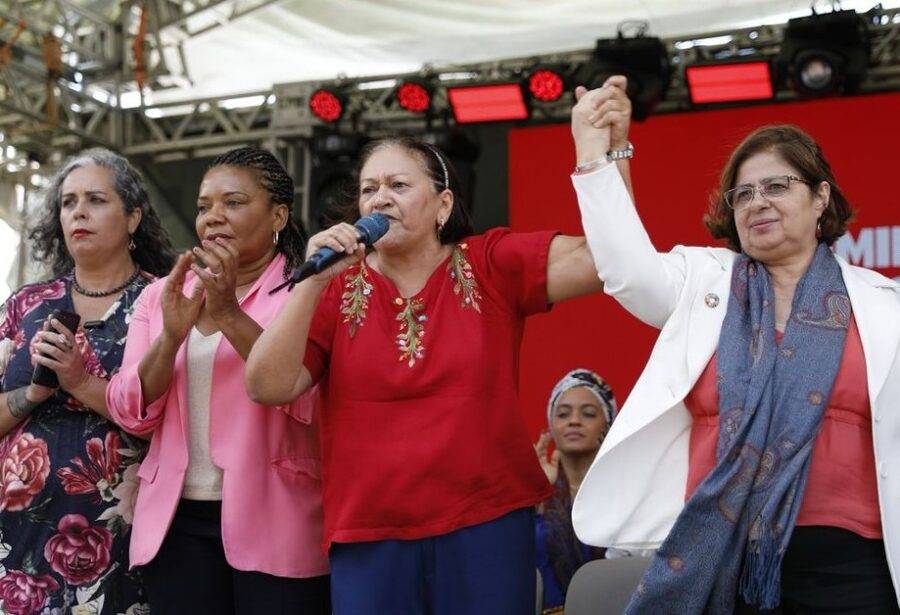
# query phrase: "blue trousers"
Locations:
[[486, 568]]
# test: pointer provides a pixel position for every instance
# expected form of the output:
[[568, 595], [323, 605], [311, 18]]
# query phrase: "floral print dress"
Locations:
[[67, 475]]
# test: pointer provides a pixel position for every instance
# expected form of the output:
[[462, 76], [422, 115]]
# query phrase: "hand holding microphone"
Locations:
[[333, 250]]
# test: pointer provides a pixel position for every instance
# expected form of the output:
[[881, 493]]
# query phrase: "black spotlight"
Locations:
[[643, 59], [464, 151], [332, 182], [824, 54]]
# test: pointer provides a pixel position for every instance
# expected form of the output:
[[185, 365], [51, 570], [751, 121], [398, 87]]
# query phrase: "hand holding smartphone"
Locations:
[[42, 374]]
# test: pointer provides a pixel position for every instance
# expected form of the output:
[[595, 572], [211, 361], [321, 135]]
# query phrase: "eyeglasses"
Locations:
[[771, 188]]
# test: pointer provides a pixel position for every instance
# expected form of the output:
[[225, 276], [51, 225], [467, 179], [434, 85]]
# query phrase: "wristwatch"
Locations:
[[621, 154], [611, 156]]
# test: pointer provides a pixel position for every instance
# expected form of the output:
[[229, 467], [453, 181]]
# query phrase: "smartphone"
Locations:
[[44, 375]]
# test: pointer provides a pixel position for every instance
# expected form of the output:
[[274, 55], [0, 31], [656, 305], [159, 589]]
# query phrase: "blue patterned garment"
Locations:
[[67, 475], [559, 552], [732, 534]]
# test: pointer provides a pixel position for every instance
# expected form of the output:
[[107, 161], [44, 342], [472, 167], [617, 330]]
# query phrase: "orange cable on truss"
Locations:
[[52, 52], [140, 72], [6, 50]]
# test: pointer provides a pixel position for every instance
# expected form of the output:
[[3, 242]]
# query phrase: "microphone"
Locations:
[[371, 228]]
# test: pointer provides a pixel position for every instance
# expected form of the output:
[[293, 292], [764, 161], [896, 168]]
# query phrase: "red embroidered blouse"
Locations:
[[421, 425], [841, 490]]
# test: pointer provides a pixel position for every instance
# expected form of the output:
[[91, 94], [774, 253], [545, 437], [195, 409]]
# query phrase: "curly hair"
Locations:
[[153, 250], [437, 167], [273, 178], [800, 151]]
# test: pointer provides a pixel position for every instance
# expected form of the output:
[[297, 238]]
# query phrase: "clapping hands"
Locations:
[[219, 278], [180, 311]]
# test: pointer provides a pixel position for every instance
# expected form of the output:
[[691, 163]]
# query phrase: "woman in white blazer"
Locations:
[[791, 502]]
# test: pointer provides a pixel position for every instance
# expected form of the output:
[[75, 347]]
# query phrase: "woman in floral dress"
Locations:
[[67, 473]]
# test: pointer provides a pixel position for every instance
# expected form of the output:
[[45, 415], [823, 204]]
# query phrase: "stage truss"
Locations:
[[88, 92]]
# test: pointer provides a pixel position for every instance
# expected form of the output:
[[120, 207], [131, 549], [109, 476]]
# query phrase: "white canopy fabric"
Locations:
[[299, 40]]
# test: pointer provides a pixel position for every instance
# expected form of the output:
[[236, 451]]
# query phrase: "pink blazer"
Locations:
[[271, 489]]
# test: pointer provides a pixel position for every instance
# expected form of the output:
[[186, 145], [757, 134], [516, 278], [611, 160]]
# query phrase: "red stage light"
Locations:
[[326, 105], [546, 85], [716, 83], [414, 97], [488, 103]]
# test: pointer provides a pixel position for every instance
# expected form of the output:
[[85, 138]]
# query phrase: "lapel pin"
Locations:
[[712, 300]]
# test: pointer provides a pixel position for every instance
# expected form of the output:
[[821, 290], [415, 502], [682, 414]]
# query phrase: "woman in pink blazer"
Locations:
[[228, 517]]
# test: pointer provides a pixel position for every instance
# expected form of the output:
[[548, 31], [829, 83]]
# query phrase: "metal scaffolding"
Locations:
[[68, 63], [98, 66], [46, 113], [65, 65]]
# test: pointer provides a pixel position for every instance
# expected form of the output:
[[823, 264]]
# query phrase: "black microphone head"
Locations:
[[372, 228]]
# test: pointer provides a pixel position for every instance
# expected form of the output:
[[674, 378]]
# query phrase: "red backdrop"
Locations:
[[678, 158]]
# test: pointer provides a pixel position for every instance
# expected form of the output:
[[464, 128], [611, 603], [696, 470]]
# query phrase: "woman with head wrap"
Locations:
[[580, 410]]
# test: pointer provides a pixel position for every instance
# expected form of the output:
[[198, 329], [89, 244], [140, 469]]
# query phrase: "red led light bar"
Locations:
[[716, 83], [488, 103]]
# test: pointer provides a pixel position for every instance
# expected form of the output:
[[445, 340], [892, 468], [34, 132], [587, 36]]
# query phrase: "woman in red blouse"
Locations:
[[429, 475]]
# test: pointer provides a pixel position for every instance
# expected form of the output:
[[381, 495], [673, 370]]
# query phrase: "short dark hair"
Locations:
[[800, 151], [458, 226], [153, 250], [275, 180]]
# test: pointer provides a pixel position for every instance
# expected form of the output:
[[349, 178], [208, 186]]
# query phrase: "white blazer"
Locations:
[[635, 488]]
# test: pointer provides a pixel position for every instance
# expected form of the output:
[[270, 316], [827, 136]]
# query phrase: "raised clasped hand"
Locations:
[[601, 119]]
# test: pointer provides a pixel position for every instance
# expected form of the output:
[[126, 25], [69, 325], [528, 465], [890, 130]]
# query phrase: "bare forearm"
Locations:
[[155, 369], [242, 331], [92, 393], [275, 373], [570, 270], [15, 406]]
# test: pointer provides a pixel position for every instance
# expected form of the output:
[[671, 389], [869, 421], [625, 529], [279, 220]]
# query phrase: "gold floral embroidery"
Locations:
[[464, 284], [412, 330], [355, 300]]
